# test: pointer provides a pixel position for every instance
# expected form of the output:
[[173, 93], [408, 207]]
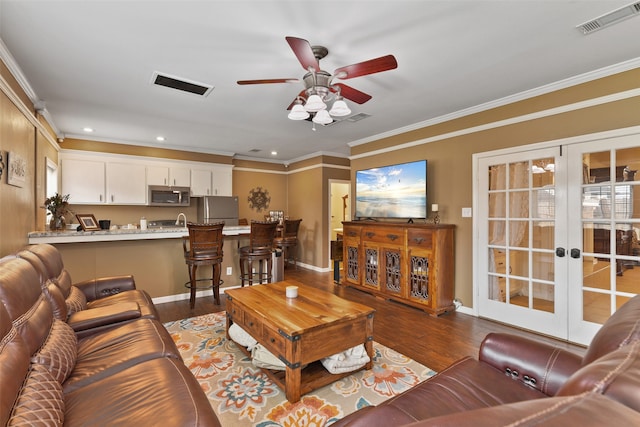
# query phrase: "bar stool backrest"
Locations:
[[205, 241], [262, 234], [291, 227]]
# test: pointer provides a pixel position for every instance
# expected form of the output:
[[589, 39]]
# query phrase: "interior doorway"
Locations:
[[339, 207]]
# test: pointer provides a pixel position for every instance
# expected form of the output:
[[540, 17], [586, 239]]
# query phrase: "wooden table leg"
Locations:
[[293, 380], [368, 345]]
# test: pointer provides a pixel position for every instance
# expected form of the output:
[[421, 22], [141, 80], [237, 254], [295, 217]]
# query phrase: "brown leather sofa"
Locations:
[[90, 305], [125, 373], [517, 381]]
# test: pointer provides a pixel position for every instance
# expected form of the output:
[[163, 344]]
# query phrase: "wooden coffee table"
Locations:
[[300, 331]]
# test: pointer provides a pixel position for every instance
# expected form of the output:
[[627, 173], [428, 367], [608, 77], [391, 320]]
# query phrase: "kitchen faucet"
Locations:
[[178, 219]]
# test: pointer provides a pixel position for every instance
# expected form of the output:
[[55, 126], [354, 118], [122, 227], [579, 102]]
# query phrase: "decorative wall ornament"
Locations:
[[259, 199], [17, 170], [2, 165]]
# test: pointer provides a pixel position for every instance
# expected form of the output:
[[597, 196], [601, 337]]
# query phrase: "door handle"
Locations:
[[575, 253], [560, 252]]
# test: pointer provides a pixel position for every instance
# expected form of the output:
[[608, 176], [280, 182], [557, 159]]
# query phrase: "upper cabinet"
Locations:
[[222, 180], [201, 182], [211, 181], [126, 184], [94, 178], [83, 180], [175, 176]]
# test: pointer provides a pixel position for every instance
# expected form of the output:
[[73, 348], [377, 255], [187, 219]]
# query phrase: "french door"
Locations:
[[557, 235]]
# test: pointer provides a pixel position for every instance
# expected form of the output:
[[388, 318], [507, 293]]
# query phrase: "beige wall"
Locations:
[[301, 189], [449, 173]]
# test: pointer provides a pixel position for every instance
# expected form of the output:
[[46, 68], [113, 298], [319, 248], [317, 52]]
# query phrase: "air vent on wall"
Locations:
[[610, 18], [181, 84]]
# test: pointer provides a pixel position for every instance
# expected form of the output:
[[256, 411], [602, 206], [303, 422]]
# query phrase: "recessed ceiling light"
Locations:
[[160, 138], [274, 153], [87, 129]]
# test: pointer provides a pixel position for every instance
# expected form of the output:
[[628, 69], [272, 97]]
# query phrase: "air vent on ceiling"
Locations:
[[610, 18], [255, 150], [358, 117], [178, 83], [352, 119]]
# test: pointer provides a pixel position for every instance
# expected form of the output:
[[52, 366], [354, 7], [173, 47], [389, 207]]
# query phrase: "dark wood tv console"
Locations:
[[410, 263]]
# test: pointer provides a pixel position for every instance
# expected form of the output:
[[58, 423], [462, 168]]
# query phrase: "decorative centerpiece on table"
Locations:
[[58, 207]]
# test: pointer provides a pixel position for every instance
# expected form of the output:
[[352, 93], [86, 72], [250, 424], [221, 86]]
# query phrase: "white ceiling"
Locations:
[[91, 62]]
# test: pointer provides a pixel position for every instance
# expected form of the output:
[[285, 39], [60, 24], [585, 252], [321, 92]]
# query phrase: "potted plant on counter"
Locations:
[[58, 207]]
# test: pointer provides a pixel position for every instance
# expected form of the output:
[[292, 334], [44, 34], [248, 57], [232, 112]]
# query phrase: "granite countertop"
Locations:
[[70, 236]]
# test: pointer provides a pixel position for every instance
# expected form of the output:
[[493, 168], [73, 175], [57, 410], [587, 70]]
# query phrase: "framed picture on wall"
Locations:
[[17, 170], [88, 222]]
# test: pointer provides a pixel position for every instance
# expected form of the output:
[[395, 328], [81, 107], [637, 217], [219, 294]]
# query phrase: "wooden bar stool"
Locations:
[[203, 246], [260, 249], [289, 240]]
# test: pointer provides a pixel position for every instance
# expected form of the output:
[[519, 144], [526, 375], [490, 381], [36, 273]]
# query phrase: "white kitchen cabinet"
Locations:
[[126, 184], [213, 181], [169, 175], [83, 180], [201, 182], [221, 181]]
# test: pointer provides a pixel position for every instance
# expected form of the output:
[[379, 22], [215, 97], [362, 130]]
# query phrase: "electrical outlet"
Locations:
[[229, 271]]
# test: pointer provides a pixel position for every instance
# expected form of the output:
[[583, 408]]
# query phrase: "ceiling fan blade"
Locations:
[[353, 94], [384, 63], [265, 81], [301, 94], [302, 49]]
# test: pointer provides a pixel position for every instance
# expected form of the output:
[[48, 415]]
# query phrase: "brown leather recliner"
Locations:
[[128, 375], [91, 305], [525, 382]]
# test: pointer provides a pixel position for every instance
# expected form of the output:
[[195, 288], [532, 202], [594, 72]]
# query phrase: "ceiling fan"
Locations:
[[319, 86]]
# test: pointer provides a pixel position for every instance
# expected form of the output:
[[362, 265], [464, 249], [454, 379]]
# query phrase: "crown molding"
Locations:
[[531, 93]]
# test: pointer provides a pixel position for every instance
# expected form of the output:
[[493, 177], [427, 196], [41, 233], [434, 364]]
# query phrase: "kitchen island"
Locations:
[[154, 257]]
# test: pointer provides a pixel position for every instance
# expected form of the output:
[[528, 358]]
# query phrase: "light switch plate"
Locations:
[[229, 271], [466, 212]]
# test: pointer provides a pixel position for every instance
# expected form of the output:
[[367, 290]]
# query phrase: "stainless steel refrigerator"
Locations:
[[218, 208]]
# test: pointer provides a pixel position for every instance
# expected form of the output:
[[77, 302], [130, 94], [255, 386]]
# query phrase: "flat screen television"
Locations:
[[395, 191]]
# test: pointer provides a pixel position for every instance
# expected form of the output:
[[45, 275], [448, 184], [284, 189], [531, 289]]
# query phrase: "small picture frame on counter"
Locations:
[[88, 222]]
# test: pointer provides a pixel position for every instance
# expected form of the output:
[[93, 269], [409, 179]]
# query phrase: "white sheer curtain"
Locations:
[[518, 207]]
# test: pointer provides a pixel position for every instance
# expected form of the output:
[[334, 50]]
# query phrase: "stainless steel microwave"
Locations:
[[160, 195]]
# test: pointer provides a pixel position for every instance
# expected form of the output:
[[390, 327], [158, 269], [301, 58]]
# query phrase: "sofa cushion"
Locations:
[[28, 308], [466, 385], [58, 354], [59, 305], [147, 308], [14, 364], [587, 409], [113, 350], [76, 301], [160, 392], [616, 375], [621, 328], [40, 401]]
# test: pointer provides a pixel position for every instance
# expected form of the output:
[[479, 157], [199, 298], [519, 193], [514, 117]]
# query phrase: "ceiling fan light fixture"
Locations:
[[322, 117], [314, 104], [339, 108], [298, 112]]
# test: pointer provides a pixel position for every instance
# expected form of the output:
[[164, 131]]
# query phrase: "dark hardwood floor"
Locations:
[[433, 341]]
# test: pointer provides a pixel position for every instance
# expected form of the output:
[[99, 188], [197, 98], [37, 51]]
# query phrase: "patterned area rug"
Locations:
[[241, 395]]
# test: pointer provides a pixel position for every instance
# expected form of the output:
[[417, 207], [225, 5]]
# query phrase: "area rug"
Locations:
[[241, 395]]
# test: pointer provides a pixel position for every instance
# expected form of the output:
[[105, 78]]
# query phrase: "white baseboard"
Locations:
[[186, 295]]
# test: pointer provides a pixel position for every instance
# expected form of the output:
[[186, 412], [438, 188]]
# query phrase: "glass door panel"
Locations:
[[520, 229], [610, 223]]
